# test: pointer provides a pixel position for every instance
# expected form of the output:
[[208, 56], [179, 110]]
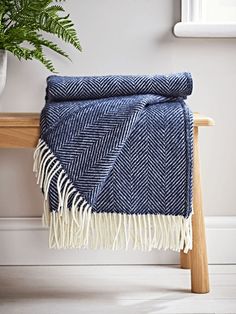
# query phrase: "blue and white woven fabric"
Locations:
[[114, 162]]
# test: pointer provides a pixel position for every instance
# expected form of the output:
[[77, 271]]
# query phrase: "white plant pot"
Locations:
[[3, 69]]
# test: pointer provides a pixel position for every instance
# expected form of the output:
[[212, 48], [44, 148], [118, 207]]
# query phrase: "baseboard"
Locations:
[[23, 241]]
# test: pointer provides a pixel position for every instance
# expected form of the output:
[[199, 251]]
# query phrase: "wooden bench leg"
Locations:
[[199, 263], [185, 260]]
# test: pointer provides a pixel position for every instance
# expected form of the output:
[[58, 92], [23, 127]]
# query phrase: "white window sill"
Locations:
[[193, 29]]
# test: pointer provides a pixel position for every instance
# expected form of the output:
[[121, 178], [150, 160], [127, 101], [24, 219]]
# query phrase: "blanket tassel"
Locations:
[[79, 227]]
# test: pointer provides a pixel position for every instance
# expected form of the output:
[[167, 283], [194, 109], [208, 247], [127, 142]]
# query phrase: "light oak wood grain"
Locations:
[[21, 130], [199, 263], [18, 137], [19, 119], [185, 260]]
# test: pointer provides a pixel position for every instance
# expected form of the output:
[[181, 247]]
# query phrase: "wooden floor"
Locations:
[[112, 289]]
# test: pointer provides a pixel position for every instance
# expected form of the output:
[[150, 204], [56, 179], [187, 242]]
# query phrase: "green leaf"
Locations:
[[38, 55], [49, 44], [22, 23], [20, 52], [63, 27]]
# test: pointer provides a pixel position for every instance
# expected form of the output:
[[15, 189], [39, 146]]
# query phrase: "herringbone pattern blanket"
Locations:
[[114, 162]]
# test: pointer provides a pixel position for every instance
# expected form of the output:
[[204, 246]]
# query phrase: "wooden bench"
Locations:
[[21, 130]]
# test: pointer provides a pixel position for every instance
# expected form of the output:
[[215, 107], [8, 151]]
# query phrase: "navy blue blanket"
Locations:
[[114, 161]]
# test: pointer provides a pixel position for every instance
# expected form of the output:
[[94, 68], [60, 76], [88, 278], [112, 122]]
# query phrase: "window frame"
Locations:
[[192, 24]]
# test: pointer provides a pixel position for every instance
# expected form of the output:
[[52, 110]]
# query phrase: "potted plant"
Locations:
[[23, 25]]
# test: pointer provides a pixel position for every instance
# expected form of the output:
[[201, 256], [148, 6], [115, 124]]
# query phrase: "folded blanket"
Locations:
[[114, 162]]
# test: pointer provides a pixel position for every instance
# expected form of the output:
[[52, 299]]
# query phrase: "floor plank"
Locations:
[[116, 289]]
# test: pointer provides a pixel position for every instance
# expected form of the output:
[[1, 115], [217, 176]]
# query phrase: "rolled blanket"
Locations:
[[114, 162], [81, 88]]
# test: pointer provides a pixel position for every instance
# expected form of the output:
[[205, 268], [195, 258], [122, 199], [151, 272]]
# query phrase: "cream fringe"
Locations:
[[79, 227]]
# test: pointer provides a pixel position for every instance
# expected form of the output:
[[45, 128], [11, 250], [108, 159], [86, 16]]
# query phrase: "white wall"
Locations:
[[132, 37]]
